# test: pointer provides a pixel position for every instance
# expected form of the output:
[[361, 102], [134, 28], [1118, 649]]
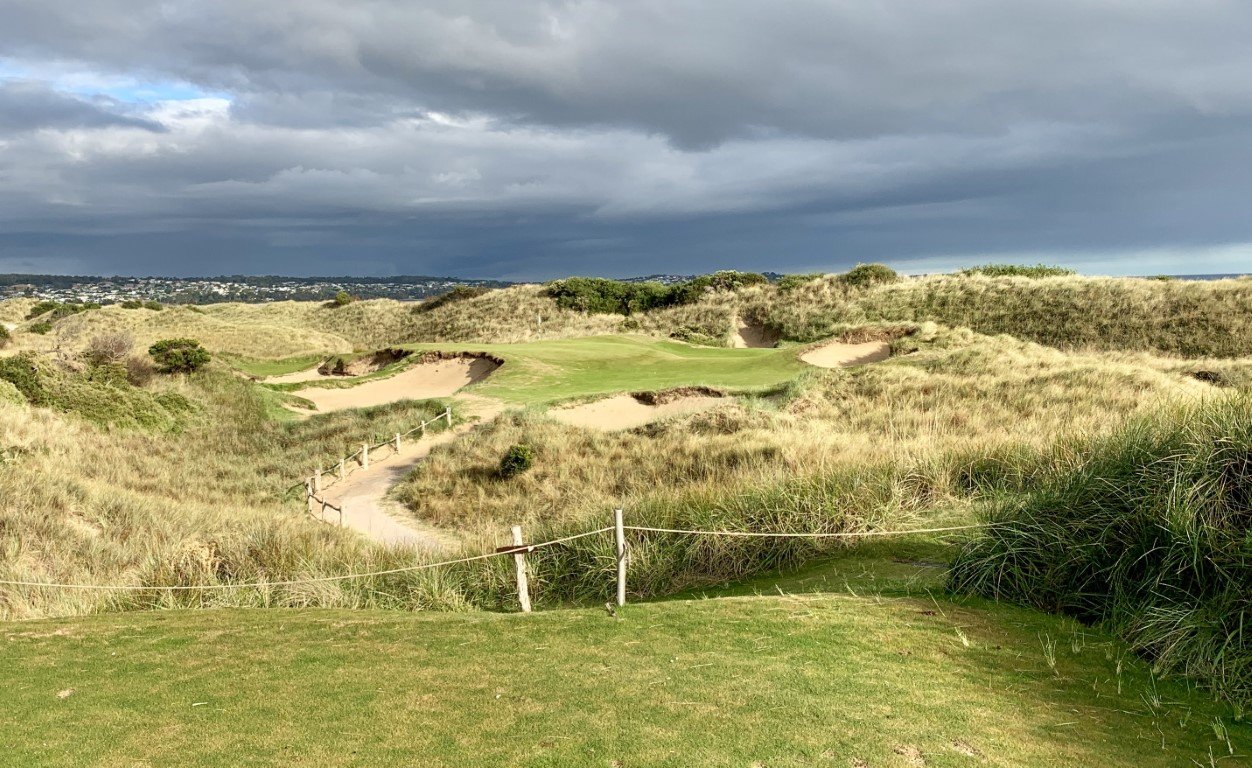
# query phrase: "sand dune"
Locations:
[[626, 411], [838, 354], [439, 378]]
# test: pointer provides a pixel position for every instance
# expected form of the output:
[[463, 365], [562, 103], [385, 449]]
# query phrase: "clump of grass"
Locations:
[[867, 275], [1148, 532]]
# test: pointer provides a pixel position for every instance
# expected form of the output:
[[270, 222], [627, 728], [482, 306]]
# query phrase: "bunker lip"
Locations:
[[627, 411], [753, 335], [432, 375]]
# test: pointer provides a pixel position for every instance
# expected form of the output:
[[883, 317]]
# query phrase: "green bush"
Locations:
[[55, 310], [516, 460], [40, 328], [5, 337], [792, 282], [342, 299], [604, 296], [131, 304], [457, 293], [22, 372], [867, 275], [179, 355], [155, 306], [40, 308], [1018, 270], [1150, 534]]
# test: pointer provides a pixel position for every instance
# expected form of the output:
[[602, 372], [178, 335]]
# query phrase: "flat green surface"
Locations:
[[549, 371], [881, 668]]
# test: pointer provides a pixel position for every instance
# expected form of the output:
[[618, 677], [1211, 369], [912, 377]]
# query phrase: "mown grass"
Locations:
[[550, 371], [775, 680]]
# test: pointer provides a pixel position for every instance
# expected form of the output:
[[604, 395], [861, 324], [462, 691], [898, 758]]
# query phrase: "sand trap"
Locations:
[[838, 354], [627, 411], [437, 378], [752, 336]]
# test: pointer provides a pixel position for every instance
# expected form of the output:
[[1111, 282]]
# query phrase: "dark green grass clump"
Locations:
[[1150, 534], [1018, 270]]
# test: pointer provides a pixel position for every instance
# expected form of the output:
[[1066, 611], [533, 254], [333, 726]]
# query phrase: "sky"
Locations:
[[528, 140]]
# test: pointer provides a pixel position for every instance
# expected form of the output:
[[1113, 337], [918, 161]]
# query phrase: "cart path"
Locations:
[[363, 494]]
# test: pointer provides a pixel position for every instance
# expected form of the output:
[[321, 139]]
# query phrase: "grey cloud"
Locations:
[[30, 106]]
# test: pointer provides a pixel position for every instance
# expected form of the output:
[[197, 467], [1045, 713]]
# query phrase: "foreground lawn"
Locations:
[[770, 680], [548, 371]]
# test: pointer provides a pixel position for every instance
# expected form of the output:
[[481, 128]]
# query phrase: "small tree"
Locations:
[[108, 348], [179, 355], [516, 460], [342, 299]]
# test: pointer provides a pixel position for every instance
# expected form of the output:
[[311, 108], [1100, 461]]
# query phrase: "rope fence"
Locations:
[[518, 550]]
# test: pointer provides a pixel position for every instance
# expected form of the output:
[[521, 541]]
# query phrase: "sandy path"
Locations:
[[418, 382], [838, 354], [751, 336], [363, 494], [625, 412]]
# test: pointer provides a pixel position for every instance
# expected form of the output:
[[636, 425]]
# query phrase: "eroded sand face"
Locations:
[[838, 354], [299, 377], [625, 412], [752, 336], [440, 378]]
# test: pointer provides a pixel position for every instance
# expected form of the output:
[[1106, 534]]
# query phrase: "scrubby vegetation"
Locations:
[[519, 458], [1147, 531], [1018, 270], [457, 293], [867, 275], [605, 296], [179, 355], [5, 337]]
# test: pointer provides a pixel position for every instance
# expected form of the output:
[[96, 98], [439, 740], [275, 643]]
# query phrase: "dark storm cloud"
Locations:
[[536, 138]]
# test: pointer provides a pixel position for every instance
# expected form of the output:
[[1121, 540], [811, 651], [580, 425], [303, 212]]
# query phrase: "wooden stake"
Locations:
[[448, 414], [342, 473], [397, 442], [317, 482], [619, 532], [308, 488], [365, 455], [523, 586]]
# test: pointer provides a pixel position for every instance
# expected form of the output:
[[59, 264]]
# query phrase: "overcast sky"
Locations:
[[524, 140]]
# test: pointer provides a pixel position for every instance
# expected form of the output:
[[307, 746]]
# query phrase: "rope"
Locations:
[[769, 534], [317, 580]]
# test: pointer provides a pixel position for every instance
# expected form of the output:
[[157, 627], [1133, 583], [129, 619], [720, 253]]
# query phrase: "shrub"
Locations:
[[5, 337], [155, 306], [342, 299], [516, 460], [1018, 270], [40, 328], [21, 372], [139, 370], [131, 304], [108, 348], [56, 310], [867, 275], [604, 296], [457, 293], [40, 308], [179, 355]]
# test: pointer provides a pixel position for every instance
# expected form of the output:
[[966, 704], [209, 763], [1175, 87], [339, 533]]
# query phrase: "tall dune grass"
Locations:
[[1148, 531]]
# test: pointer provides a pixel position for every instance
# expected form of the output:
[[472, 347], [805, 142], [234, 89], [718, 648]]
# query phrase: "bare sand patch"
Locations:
[[299, 377], [839, 354], [752, 335], [629, 411], [423, 380]]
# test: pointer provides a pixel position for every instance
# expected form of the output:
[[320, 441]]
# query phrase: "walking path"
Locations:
[[363, 494]]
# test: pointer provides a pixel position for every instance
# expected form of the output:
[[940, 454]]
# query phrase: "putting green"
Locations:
[[543, 372]]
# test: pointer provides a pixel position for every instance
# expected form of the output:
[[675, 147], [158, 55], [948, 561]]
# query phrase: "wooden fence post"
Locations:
[[397, 442], [342, 473], [523, 586], [619, 531], [448, 414], [365, 455], [317, 481], [308, 495]]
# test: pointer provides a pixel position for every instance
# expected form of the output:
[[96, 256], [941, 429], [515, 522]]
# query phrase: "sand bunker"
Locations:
[[423, 380], [752, 336], [629, 411], [299, 377], [839, 354]]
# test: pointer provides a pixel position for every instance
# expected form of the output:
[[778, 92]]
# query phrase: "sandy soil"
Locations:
[[838, 354], [625, 412], [9, 326], [421, 381], [363, 494], [752, 336]]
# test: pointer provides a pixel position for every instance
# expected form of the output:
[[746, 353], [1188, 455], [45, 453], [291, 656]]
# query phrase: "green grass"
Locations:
[[262, 368], [550, 371], [775, 680]]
